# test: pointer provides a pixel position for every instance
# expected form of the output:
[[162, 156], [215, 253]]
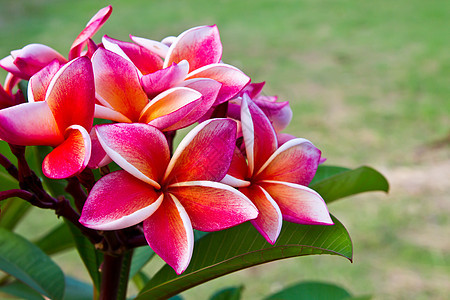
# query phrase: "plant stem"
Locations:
[[111, 269]]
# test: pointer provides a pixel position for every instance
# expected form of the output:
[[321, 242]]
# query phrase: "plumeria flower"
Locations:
[[279, 113], [171, 196], [275, 178], [24, 63], [191, 57], [122, 99], [48, 119]]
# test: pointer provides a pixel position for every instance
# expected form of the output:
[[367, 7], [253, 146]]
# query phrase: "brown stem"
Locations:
[[110, 270], [25, 195], [10, 168], [87, 179], [74, 188]]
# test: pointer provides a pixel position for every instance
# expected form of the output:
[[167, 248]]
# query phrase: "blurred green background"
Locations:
[[369, 83]]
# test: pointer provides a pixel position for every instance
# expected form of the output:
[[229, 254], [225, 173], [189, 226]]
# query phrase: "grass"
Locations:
[[368, 84]]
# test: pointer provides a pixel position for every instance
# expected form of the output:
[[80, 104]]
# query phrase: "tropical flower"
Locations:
[[171, 196], [198, 50], [278, 113], [48, 119], [276, 179], [122, 98]]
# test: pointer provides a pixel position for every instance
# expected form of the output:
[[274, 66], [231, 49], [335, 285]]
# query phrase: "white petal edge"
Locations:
[[130, 220], [234, 182], [107, 113], [189, 232], [301, 187], [155, 47], [87, 142], [284, 147], [248, 132], [277, 208]]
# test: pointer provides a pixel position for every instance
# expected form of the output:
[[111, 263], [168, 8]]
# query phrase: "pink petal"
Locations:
[[29, 124], [200, 46], [295, 161], [209, 89], [298, 203], [279, 113], [169, 233], [6, 100], [119, 200], [204, 154], [259, 136], [146, 61], [213, 206], [7, 63], [91, 28], [99, 158], [168, 110], [91, 48], [269, 220], [139, 149], [71, 157], [39, 82], [10, 82], [164, 79], [72, 90], [232, 79], [117, 84], [158, 48], [284, 137], [32, 58], [236, 175], [253, 89]]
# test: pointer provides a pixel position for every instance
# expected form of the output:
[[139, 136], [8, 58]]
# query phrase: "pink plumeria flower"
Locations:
[[122, 99], [193, 56], [279, 113], [171, 196], [25, 62], [49, 118], [275, 179]]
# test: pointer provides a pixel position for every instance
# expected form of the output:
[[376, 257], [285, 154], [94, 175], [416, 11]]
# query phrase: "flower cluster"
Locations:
[[234, 166]]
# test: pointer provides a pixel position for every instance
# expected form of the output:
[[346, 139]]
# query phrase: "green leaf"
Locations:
[[230, 293], [57, 240], [362, 179], [20, 290], [78, 290], [12, 212], [91, 257], [223, 252], [323, 172], [75, 290], [124, 275], [26, 262], [140, 280], [141, 257], [311, 290]]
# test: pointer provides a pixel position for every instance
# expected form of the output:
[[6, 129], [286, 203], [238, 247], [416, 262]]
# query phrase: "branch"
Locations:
[[9, 166], [25, 195], [74, 188]]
